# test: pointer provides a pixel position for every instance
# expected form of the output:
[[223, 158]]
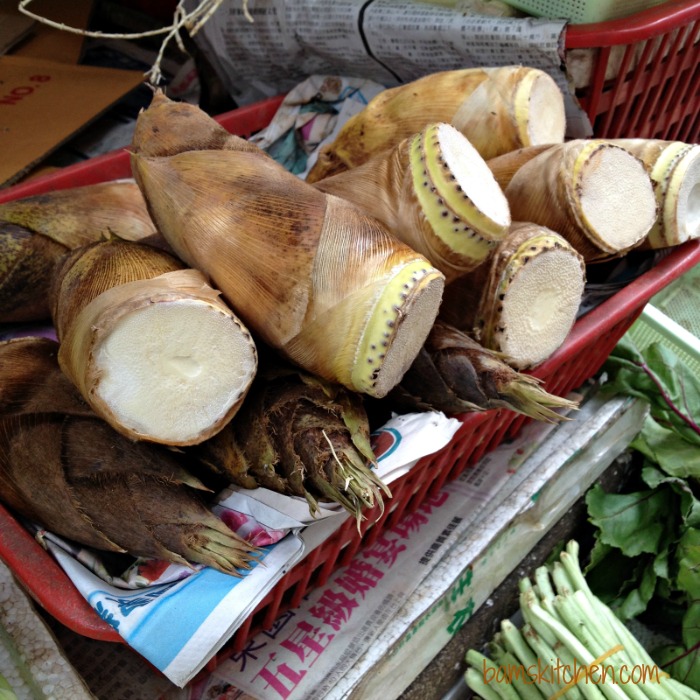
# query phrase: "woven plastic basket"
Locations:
[[583, 11]]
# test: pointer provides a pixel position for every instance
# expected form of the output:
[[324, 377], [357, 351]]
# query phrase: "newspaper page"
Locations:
[[387, 41]]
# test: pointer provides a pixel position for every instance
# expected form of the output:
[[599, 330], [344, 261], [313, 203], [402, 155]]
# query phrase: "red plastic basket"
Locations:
[[589, 344], [655, 91]]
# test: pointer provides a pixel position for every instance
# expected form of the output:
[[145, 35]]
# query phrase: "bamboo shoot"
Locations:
[[150, 345], [434, 192], [498, 109], [523, 301]]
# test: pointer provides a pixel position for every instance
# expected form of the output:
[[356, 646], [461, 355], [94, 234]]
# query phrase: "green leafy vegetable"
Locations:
[[646, 559]]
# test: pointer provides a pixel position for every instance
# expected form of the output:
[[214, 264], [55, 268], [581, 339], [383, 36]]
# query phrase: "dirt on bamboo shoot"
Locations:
[[498, 109], [594, 193], [522, 302], [309, 273], [35, 232], [65, 469], [434, 192], [149, 344]]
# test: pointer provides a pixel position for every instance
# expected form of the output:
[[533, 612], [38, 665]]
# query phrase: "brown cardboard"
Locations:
[[12, 30], [49, 43], [43, 103]]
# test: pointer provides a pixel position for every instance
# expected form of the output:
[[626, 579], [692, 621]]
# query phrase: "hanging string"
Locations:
[[192, 21]]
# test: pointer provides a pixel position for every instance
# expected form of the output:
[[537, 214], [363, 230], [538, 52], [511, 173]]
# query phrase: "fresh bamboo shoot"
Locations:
[[434, 192], [454, 374], [498, 109], [299, 436], [150, 345], [167, 127], [674, 167], [595, 194], [36, 231], [309, 273], [65, 469], [522, 302], [504, 167]]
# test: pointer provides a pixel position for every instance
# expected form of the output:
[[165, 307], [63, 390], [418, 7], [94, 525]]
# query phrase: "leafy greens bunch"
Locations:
[[646, 559]]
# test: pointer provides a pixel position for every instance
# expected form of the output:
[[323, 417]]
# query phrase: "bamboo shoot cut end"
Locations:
[[472, 176], [686, 213], [539, 307], [175, 372], [616, 196], [546, 117], [397, 327]]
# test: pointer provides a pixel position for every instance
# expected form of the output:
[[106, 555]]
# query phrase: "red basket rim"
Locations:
[[638, 27]]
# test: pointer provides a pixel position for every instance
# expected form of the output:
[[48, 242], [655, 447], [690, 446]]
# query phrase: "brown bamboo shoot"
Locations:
[[150, 345], [65, 469], [434, 192], [595, 194], [523, 302], [498, 109], [674, 168], [35, 232]]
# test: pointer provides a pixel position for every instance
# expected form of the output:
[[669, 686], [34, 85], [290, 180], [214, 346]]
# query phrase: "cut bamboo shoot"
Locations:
[[310, 273], [674, 167], [151, 346], [434, 192], [523, 302], [498, 109], [594, 193]]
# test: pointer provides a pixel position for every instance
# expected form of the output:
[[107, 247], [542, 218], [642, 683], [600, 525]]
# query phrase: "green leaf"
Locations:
[[6, 692], [662, 378], [612, 576], [691, 625], [634, 522], [636, 601], [689, 504], [683, 665], [688, 557], [664, 446]]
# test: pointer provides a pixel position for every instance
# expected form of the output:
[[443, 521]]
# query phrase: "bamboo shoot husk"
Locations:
[[65, 469], [674, 168], [504, 167], [455, 374], [166, 128], [595, 194], [312, 275], [299, 436], [523, 302], [498, 109], [150, 345], [35, 232], [434, 192]]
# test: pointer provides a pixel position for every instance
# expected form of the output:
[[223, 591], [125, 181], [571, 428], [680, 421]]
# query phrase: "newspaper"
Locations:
[[386, 41]]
